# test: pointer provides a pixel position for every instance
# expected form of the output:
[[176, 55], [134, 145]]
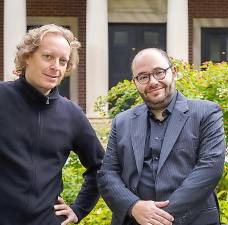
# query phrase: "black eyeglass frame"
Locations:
[[152, 74]]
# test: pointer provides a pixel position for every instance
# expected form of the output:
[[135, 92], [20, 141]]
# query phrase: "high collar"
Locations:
[[32, 94]]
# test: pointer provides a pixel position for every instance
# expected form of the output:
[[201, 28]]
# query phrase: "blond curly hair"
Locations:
[[32, 40]]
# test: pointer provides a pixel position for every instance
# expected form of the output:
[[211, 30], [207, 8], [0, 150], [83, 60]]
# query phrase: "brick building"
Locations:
[[112, 31]]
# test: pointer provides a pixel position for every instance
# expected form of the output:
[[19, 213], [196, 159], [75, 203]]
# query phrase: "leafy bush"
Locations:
[[222, 194], [72, 178], [120, 97], [210, 82]]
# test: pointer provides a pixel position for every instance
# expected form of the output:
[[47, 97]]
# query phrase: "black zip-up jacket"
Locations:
[[37, 134]]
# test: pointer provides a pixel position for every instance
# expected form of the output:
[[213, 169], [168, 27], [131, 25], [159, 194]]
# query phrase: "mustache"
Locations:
[[152, 88]]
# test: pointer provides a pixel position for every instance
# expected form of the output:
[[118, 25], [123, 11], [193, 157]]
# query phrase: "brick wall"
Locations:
[[1, 38], [205, 9], [75, 8]]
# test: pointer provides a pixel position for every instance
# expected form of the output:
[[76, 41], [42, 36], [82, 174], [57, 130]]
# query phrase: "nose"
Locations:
[[153, 81], [55, 64]]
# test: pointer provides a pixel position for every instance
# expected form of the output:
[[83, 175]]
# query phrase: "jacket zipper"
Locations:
[[47, 101], [34, 174]]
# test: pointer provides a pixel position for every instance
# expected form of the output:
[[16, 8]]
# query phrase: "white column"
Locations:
[[96, 53], [177, 29], [14, 29]]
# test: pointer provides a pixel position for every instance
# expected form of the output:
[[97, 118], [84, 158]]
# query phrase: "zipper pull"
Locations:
[[47, 102]]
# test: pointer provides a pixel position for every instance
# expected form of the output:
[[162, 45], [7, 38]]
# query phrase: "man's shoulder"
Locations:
[[6, 84], [69, 105], [201, 103], [196, 103], [6, 87], [202, 108], [132, 112]]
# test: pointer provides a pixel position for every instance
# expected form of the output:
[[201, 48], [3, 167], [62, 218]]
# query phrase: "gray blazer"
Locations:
[[190, 165]]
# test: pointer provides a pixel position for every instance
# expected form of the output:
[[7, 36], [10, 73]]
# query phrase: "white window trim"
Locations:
[[199, 23]]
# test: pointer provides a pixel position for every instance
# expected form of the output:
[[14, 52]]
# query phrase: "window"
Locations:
[[214, 44]]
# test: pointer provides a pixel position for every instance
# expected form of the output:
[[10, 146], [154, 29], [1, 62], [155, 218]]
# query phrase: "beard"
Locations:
[[158, 101]]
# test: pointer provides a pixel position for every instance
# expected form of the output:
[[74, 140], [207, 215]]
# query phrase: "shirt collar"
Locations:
[[33, 94], [168, 110]]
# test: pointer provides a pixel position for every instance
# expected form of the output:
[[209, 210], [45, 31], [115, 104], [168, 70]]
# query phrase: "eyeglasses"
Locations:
[[158, 74]]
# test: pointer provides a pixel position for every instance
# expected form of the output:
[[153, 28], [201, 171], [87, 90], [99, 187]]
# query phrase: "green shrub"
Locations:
[[210, 82], [120, 97], [72, 177], [222, 194]]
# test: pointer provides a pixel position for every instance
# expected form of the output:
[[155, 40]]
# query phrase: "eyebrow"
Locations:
[[156, 68], [53, 53], [161, 68]]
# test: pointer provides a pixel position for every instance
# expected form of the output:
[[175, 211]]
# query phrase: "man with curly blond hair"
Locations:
[[39, 128]]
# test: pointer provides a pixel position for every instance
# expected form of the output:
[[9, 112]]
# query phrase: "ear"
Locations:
[[136, 84], [174, 72], [27, 59]]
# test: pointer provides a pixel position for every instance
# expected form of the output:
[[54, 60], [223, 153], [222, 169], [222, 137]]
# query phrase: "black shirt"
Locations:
[[155, 135]]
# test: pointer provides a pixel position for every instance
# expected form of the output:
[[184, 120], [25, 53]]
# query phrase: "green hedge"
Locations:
[[72, 177], [222, 194]]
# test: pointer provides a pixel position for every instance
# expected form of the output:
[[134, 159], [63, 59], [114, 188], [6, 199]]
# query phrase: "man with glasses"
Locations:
[[164, 157]]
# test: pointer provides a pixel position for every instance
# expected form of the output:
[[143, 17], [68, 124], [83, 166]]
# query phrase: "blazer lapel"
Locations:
[[138, 135], [175, 125]]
